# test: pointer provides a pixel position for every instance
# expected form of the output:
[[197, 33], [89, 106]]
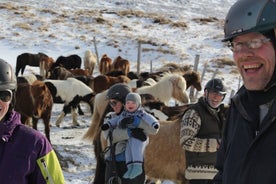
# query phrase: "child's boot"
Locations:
[[127, 173], [136, 170]]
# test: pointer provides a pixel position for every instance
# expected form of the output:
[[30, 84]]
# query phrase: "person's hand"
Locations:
[[138, 133], [126, 122], [105, 126]]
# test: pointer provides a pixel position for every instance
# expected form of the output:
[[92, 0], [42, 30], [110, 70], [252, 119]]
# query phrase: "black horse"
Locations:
[[28, 59], [69, 62]]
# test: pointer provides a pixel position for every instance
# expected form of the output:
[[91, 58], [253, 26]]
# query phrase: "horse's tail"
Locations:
[[18, 64]]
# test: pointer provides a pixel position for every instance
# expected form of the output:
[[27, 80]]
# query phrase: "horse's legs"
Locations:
[[17, 69], [22, 69], [80, 111], [75, 117], [100, 164], [60, 118], [46, 121], [34, 120]]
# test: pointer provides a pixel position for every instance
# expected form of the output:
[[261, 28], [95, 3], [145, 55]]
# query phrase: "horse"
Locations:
[[80, 72], [34, 101], [60, 73], [105, 64], [193, 79], [89, 61], [69, 92], [168, 131], [30, 78], [169, 86], [28, 59], [163, 112], [103, 82], [45, 66], [69, 62], [121, 64]]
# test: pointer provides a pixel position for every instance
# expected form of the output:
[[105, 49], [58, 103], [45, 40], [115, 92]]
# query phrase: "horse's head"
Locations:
[[193, 79]]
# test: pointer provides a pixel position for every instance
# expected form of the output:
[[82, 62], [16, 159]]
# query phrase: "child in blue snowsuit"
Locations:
[[134, 117]]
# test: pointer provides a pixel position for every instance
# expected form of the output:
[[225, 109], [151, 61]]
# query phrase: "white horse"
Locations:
[[89, 61], [169, 86]]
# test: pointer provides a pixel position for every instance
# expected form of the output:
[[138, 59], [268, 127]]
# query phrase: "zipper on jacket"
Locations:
[[48, 176]]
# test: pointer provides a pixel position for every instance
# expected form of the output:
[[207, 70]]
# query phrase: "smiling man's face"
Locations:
[[256, 65]]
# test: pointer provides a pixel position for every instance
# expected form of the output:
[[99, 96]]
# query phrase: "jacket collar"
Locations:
[[8, 126]]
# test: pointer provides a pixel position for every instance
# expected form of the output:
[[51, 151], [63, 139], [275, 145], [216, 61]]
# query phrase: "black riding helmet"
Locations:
[[7, 76], [250, 16], [216, 85], [8, 81], [118, 92]]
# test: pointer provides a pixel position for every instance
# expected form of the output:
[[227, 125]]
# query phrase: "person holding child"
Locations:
[[134, 117]]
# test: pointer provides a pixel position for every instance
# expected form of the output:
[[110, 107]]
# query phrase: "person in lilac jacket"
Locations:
[[26, 156]]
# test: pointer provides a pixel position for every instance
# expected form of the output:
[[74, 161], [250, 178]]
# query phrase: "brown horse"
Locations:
[[103, 82], [193, 79], [105, 64], [28, 59], [45, 66], [80, 72], [121, 64], [34, 102]]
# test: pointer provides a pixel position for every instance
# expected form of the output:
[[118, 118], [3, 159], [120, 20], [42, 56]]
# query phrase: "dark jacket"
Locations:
[[248, 151], [26, 156]]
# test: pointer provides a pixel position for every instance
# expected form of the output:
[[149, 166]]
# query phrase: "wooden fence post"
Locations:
[[192, 88], [96, 50], [139, 57], [201, 78]]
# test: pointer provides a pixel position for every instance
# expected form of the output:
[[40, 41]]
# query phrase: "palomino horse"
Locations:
[[89, 61], [169, 86], [28, 59], [168, 128]]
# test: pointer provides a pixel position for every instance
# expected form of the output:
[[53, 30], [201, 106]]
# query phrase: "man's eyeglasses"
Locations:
[[113, 103], [6, 95], [252, 44]]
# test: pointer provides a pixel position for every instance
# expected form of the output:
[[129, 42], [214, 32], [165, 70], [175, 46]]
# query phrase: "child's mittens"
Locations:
[[155, 126], [126, 122], [138, 133], [105, 126]]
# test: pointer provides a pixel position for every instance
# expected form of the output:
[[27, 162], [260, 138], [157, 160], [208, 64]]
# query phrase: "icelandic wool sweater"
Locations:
[[26, 156], [200, 133]]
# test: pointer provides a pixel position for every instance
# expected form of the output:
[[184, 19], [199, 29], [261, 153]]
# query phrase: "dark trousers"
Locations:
[[200, 181], [121, 169]]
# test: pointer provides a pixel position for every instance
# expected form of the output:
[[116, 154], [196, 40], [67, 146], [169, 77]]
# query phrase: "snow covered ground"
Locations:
[[169, 30]]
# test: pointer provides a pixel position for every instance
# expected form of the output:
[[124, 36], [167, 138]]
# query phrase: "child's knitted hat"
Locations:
[[135, 97]]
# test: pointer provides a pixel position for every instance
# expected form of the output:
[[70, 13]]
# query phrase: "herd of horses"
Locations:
[[64, 81]]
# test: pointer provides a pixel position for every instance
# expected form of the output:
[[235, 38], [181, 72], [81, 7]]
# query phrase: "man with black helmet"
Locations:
[[201, 132], [248, 149], [26, 156], [117, 140]]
